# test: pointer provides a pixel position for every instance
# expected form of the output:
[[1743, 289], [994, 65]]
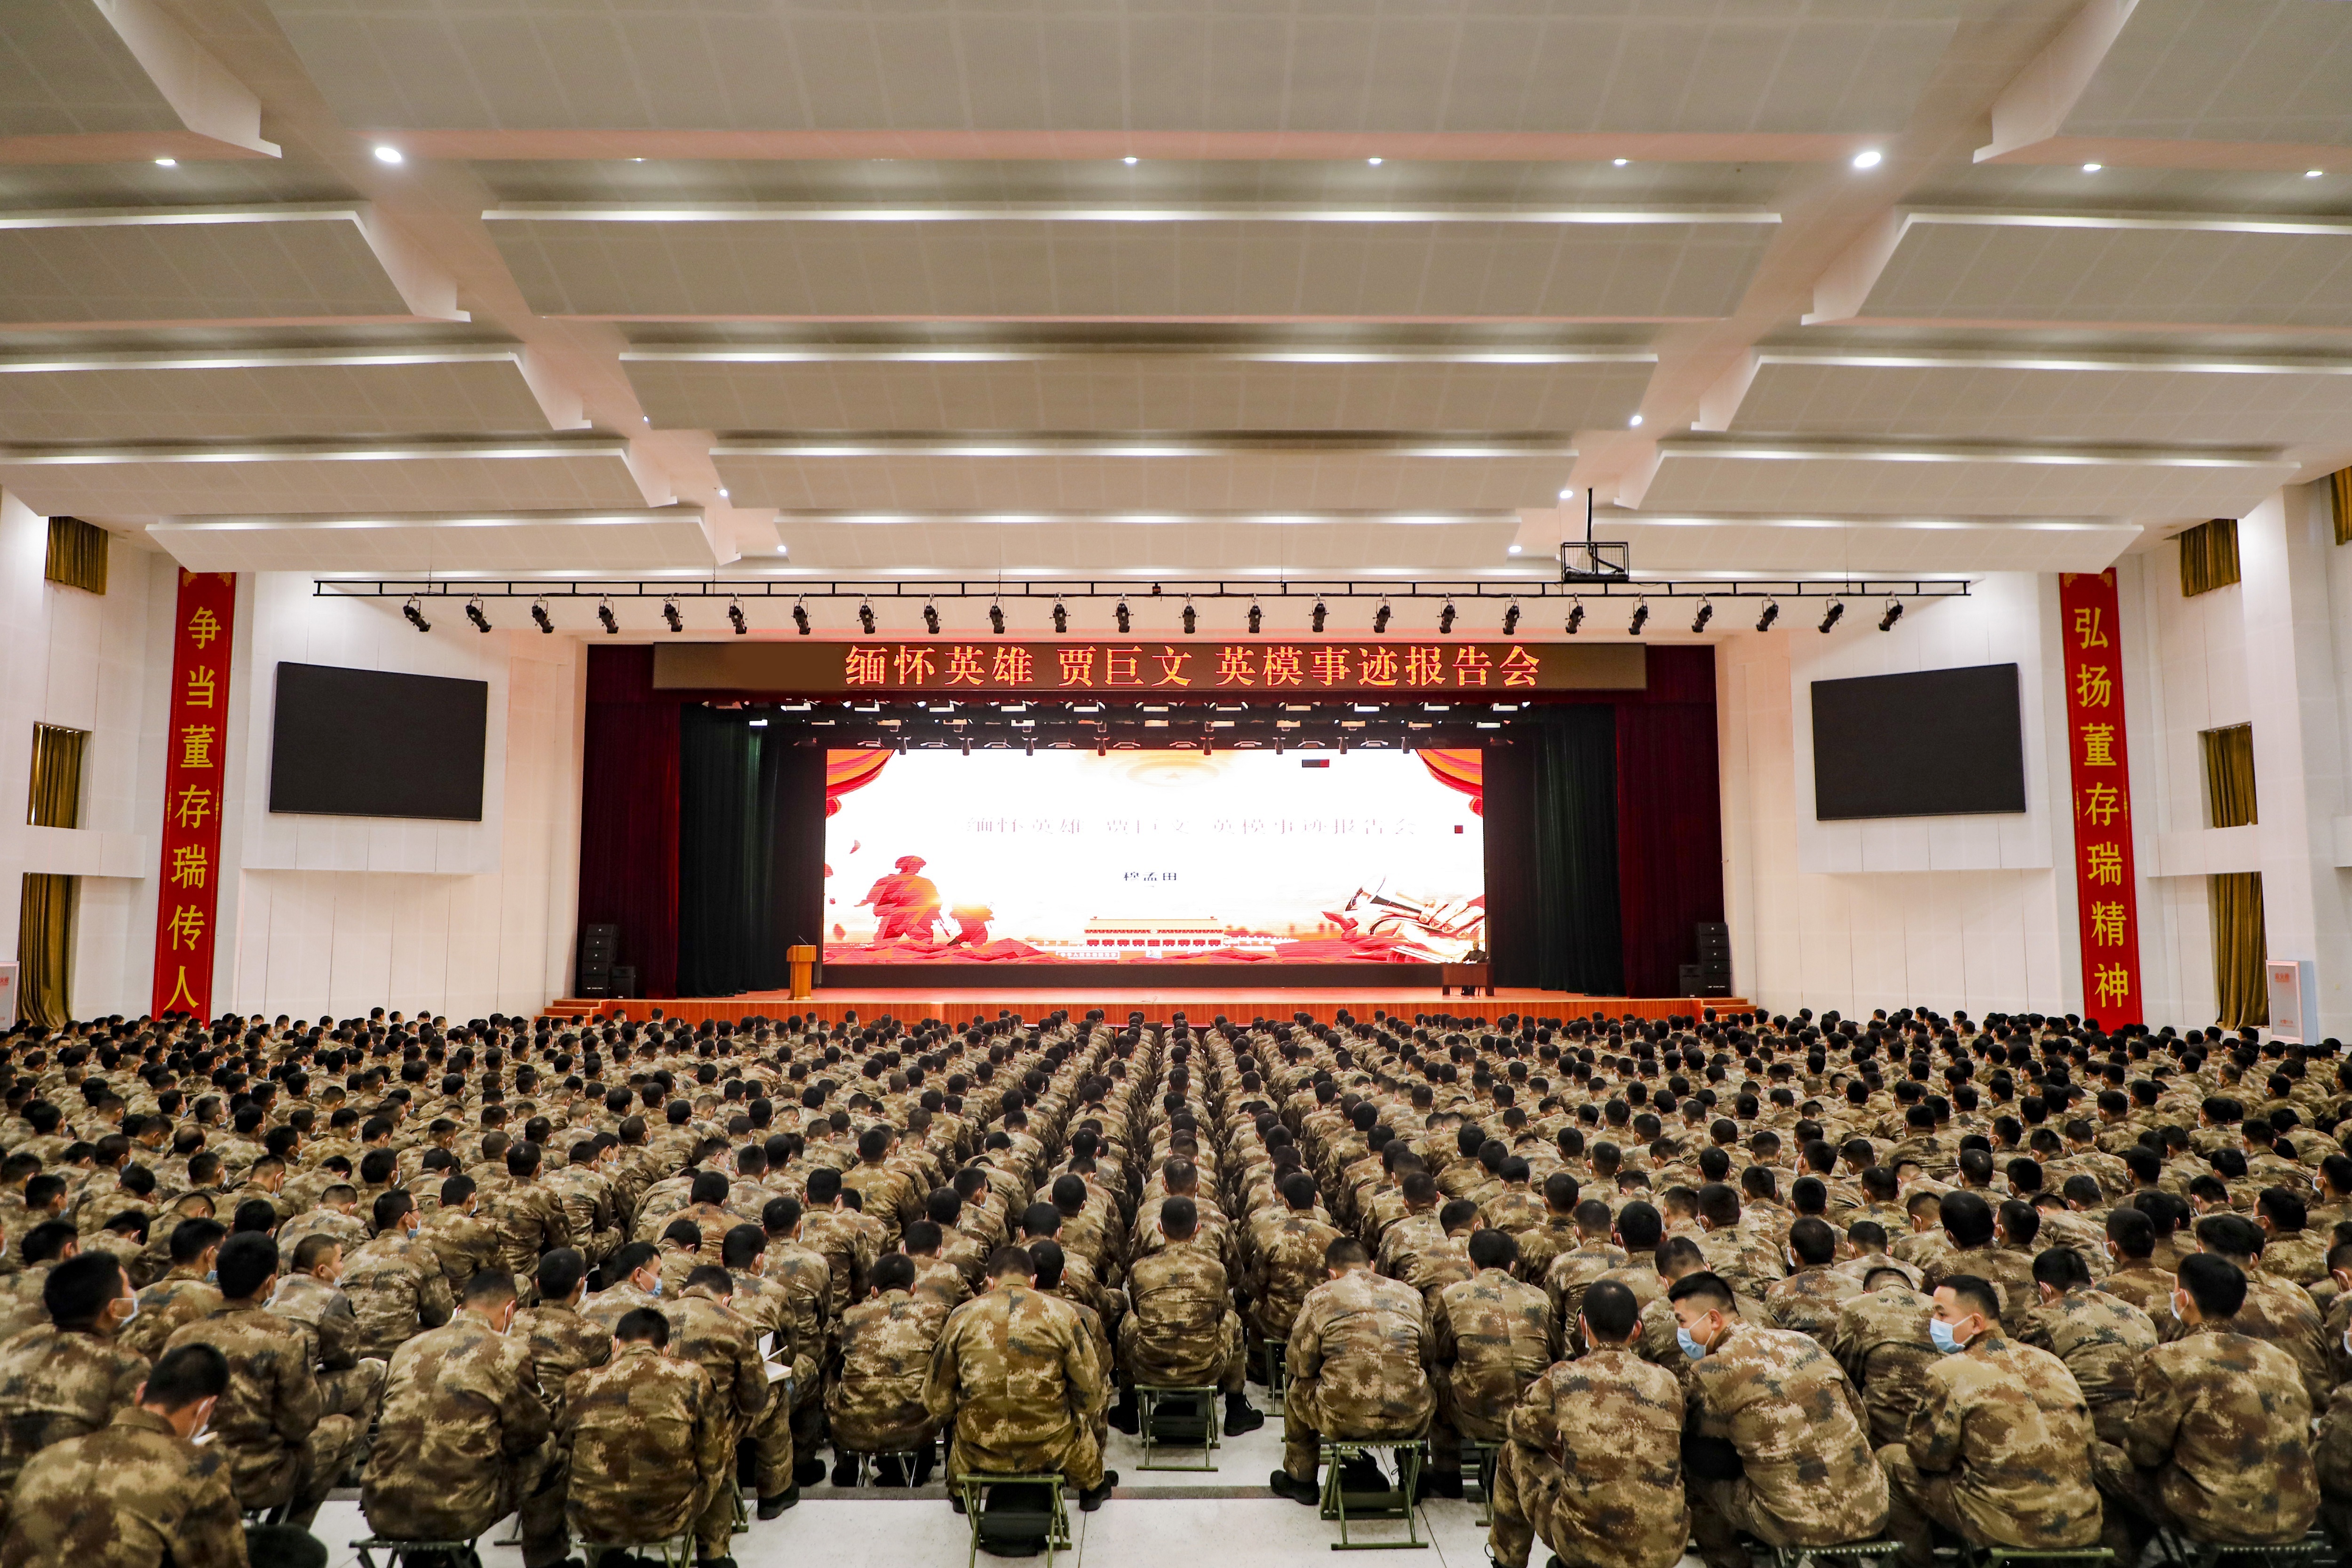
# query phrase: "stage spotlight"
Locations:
[[415, 614], [1123, 615], [1511, 620], [670, 613], [1061, 617], [996, 618], [1380, 617], [801, 617], [1191, 617], [1576, 618], [474, 613], [610, 622], [1316, 620], [1445, 619], [1256, 618], [1772, 612], [932, 617], [1837, 608], [1893, 614], [1705, 614], [735, 617], [539, 617], [1641, 617], [865, 616]]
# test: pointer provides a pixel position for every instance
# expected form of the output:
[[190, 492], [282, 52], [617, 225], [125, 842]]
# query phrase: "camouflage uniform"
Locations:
[[562, 1342], [1809, 1301], [1594, 1466], [1355, 1366], [705, 1330], [1180, 1330], [2218, 1444], [2332, 1456], [180, 1297], [1999, 1452], [347, 1386], [648, 1440], [1490, 1337], [1013, 1368], [272, 1426], [1809, 1476], [56, 1384], [1881, 1339], [131, 1495], [529, 1219], [2009, 1272], [464, 1440], [876, 1404], [465, 1245], [2101, 1339], [396, 1290], [1565, 1282]]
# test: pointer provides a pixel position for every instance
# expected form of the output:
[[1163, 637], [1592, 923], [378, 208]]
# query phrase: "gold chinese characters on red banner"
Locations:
[[194, 760], [2105, 890]]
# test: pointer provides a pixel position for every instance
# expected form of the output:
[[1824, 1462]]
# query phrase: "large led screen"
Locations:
[[1154, 856]]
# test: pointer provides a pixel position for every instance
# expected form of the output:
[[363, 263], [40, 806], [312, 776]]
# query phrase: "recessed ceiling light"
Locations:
[[2313, 173], [1637, 422], [389, 156], [636, 159], [722, 495], [1867, 159], [1515, 550], [1128, 158], [1621, 163], [1563, 495], [175, 163], [2093, 168], [1375, 163]]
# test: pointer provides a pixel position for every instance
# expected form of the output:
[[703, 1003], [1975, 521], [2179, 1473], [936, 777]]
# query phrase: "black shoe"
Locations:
[[809, 1472], [1126, 1415], [1433, 1484], [925, 1462], [844, 1471], [1096, 1497], [955, 1499], [890, 1472], [769, 1507], [1282, 1483], [1241, 1415], [1362, 1475]]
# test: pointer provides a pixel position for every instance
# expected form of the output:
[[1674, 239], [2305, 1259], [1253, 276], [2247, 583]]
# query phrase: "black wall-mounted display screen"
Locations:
[[1937, 742], [363, 742]]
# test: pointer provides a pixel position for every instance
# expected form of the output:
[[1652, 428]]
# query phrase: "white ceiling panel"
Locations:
[[65, 72], [183, 396], [1110, 545], [667, 538], [871, 474], [1525, 66], [132, 482], [2247, 70], [762, 264], [1879, 546], [141, 265], [2029, 396], [1698, 474], [2175, 271], [706, 389]]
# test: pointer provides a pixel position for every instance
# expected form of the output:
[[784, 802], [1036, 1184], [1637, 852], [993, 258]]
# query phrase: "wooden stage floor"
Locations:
[[1159, 1004]]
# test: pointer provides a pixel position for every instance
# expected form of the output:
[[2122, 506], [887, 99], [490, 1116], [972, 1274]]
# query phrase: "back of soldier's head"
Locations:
[[559, 1273], [1180, 1218], [642, 1325], [1493, 1249], [710, 1276], [1812, 1241], [631, 1258], [190, 1238], [1611, 1311], [741, 1246], [186, 1376], [489, 1290], [246, 1261], [1011, 1263], [1298, 1190], [81, 1287], [2060, 1267], [2217, 1285], [1639, 1225], [1343, 1254]]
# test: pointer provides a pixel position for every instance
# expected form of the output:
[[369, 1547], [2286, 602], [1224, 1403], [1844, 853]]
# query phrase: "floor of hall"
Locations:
[[1155, 1518]]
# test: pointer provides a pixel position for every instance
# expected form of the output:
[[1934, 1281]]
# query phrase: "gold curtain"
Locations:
[[45, 924], [77, 554], [2340, 483], [2230, 776], [2208, 557], [2239, 947], [56, 777]]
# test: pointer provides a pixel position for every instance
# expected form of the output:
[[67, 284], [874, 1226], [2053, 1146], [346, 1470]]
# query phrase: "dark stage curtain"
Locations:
[[730, 778], [1552, 853], [1669, 819], [628, 814]]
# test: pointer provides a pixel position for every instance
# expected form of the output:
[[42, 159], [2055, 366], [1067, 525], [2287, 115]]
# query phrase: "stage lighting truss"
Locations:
[[1203, 724]]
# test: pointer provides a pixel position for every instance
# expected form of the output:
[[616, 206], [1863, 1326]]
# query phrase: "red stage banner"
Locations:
[[195, 757], [2105, 896]]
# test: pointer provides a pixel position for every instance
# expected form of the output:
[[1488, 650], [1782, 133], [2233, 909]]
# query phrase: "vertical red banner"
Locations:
[[195, 759], [2106, 892]]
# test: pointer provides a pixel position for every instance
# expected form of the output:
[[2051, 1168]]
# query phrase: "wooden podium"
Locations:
[[1469, 976], [802, 957]]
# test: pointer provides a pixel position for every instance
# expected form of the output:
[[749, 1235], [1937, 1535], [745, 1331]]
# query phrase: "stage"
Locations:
[[1159, 1004]]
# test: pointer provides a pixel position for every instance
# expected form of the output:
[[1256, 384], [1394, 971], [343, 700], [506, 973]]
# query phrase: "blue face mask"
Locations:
[[1691, 1347], [1941, 1333]]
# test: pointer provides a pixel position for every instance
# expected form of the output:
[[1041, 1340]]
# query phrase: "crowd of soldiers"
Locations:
[[1736, 1281]]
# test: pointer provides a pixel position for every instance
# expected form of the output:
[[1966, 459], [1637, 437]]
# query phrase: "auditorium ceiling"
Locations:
[[1361, 289]]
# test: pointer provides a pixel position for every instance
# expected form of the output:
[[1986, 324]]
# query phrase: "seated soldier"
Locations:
[[1357, 1367], [312, 1296], [1490, 1337], [1783, 1452], [876, 1404], [646, 1438], [1808, 1299], [1999, 1451], [561, 1339], [1014, 1372], [2218, 1444], [466, 1437], [1181, 1330], [68, 1377], [2101, 1338]]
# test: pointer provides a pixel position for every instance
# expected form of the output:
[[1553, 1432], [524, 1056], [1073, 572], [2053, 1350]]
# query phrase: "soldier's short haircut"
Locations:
[[456, 1191], [1012, 1260], [923, 1236], [1419, 1188], [683, 1232], [1968, 1218], [1974, 1294], [1560, 1191], [489, 1287], [341, 1193], [560, 1272], [247, 1260], [1867, 1234], [1458, 1213], [942, 1206], [46, 1239], [1493, 1249], [741, 1246], [2284, 1209], [1877, 1277], [873, 1143], [710, 1187], [642, 1325], [2231, 1234], [1706, 1287], [1298, 1190], [1611, 1311], [824, 1184], [2060, 1269], [185, 1376], [781, 1215], [1812, 1241], [2217, 1285], [1040, 1219], [80, 1288], [312, 1250], [1179, 1216], [191, 1237], [893, 1271], [255, 1215], [710, 1276], [1676, 1256], [390, 1207], [1050, 1261], [1640, 1226], [2132, 1231], [377, 1165], [1344, 1253], [636, 1255], [2020, 1223]]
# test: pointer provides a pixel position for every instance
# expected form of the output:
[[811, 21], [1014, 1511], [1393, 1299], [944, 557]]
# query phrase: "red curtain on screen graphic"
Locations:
[[1465, 770], [195, 757], [846, 771], [628, 814], [2106, 893]]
